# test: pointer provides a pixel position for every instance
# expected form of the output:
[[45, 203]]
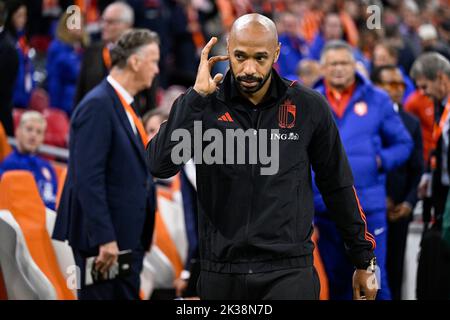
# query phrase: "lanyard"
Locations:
[[106, 57], [437, 128], [137, 122]]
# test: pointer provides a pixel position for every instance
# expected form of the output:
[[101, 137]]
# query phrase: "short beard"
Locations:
[[243, 89]]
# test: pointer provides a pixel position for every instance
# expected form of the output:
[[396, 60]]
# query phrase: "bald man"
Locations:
[[255, 226]]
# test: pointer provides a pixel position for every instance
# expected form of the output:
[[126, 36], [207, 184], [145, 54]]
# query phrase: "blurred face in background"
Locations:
[[152, 125], [392, 82], [435, 89], [382, 57], [113, 23], [19, 18], [338, 68], [30, 135], [290, 24], [332, 28], [309, 72]]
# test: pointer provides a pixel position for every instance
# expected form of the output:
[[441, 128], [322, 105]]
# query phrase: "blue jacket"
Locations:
[[293, 49], [24, 80], [43, 173], [370, 127], [63, 66], [108, 194]]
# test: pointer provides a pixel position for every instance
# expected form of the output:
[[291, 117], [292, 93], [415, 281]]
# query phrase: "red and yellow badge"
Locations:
[[361, 109], [286, 114]]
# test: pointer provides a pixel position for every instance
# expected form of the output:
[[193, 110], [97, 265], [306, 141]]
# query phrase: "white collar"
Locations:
[[116, 85], [1, 29]]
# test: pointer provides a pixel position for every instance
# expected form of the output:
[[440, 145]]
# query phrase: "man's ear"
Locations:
[[277, 52], [133, 62]]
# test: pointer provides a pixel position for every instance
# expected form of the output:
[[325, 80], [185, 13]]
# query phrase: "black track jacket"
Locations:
[[249, 222]]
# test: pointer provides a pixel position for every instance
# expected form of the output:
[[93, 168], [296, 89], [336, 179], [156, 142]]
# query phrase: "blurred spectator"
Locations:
[[430, 41], [293, 47], [29, 136], [431, 71], [308, 72], [117, 18], [422, 107], [410, 22], [333, 29], [15, 25], [63, 64], [9, 64], [152, 120], [386, 53], [402, 182], [183, 284], [376, 142], [444, 31]]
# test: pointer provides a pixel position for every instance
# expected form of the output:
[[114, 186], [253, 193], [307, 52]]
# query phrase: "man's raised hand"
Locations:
[[204, 83]]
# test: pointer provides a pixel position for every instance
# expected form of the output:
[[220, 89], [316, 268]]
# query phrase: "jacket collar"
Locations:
[[362, 84], [125, 121]]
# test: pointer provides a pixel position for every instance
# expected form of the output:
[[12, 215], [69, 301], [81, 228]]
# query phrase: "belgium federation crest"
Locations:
[[287, 113]]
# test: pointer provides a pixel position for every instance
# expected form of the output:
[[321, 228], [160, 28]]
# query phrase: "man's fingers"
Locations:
[[215, 59], [207, 49], [217, 78]]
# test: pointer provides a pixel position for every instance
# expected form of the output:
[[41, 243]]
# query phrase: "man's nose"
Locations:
[[249, 68]]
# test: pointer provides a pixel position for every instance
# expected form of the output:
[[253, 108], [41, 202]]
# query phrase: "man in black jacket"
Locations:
[[401, 183], [255, 222], [9, 64]]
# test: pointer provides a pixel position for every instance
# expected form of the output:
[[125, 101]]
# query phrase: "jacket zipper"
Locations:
[[254, 166]]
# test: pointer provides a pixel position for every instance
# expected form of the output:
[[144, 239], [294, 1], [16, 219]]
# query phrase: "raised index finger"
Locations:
[[207, 49]]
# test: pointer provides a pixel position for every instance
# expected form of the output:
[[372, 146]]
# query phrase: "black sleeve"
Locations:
[[185, 110], [9, 64], [334, 179], [415, 166]]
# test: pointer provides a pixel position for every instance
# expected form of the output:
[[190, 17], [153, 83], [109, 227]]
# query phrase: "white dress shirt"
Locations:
[[126, 96]]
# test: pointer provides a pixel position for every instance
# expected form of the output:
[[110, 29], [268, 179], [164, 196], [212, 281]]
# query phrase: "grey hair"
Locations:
[[127, 13], [335, 45], [429, 65]]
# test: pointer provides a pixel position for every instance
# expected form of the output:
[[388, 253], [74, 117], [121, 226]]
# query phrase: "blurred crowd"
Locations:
[[68, 62], [48, 67]]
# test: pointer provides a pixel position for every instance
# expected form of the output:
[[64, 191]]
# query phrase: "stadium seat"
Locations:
[[22, 278], [63, 251], [165, 261], [19, 195], [61, 173]]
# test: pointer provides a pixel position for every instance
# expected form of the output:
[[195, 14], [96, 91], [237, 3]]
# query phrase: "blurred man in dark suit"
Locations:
[[108, 199], [401, 183], [117, 18]]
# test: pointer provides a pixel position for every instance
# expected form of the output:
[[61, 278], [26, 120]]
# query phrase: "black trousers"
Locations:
[[395, 255], [126, 288], [288, 284]]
